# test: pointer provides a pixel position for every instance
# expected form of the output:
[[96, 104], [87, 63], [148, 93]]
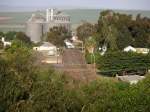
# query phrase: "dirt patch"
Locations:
[[5, 18], [74, 65]]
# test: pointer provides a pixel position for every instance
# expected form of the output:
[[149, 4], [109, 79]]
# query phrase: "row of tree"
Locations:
[[117, 31]]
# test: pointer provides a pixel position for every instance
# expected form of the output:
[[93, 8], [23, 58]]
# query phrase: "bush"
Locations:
[[25, 87]]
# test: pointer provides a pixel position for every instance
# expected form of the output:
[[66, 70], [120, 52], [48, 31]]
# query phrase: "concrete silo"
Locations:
[[34, 28], [40, 24]]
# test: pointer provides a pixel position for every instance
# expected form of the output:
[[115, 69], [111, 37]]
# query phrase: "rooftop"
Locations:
[[37, 17], [47, 44]]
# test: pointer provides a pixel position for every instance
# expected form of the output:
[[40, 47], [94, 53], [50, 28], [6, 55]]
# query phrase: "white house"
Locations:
[[5, 42], [137, 50], [47, 47]]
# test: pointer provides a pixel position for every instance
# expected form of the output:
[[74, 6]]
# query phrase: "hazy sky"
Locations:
[[111, 4]]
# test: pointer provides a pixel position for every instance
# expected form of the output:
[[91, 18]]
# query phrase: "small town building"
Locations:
[[5, 43], [47, 47], [132, 79], [137, 50], [142, 50]]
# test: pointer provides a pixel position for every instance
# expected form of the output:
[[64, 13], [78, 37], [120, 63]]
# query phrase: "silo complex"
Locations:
[[38, 24]]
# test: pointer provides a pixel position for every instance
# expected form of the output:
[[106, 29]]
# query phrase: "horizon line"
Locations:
[[81, 8]]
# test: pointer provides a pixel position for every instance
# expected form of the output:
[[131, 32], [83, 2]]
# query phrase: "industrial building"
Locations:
[[39, 24]]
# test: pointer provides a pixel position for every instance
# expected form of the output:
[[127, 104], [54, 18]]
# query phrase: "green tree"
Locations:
[[109, 35], [85, 30], [16, 75], [2, 34], [120, 30], [57, 35], [124, 38], [1, 45], [10, 35], [134, 99], [22, 37]]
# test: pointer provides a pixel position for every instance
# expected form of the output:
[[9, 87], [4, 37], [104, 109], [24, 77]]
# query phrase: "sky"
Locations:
[[95, 4]]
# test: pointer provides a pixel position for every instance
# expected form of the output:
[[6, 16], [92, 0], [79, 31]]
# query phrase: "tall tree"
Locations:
[[57, 35], [23, 37], [1, 45], [85, 30], [10, 35]]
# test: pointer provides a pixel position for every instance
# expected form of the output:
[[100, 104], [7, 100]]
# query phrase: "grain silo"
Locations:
[[35, 28], [40, 24]]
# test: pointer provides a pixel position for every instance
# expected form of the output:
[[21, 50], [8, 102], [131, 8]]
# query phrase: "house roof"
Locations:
[[47, 44], [129, 48], [37, 17]]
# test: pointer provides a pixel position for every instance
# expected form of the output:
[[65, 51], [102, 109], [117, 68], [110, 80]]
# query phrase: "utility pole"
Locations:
[[57, 55], [94, 63]]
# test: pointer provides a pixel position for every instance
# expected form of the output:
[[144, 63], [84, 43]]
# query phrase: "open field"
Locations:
[[5, 18]]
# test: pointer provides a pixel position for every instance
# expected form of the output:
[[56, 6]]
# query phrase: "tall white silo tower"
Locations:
[[34, 28], [50, 14]]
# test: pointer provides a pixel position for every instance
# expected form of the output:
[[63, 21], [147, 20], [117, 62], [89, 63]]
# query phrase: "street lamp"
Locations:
[[93, 59], [94, 63], [82, 47], [57, 54]]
